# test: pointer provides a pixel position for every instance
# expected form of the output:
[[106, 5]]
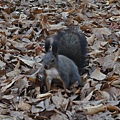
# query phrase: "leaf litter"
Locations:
[[24, 27]]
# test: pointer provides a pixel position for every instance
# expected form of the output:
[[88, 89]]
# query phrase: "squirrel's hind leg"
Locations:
[[63, 83], [77, 77], [66, 81]]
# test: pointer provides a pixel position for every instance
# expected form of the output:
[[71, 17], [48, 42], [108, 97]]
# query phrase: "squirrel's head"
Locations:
[[51, 57]]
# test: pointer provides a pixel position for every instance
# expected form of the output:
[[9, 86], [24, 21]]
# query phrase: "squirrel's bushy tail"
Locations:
[[72, 43]]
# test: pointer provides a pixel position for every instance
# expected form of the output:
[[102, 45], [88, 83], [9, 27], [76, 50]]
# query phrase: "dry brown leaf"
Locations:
[[2, 117], [114, 93], [38, 50], [8, 97], [13, 73], [78, 91], [86, 91], [28, 62], [6, 16], [113, 108], [3, 40], [31, 78], [65, 15], [22, 84], [112, 78], [116, 81], [2, 64], [10, 83], [88, 97], [2, 105], [95, 52], [57, 26], [46, 95], [57, 100], [41, 106], [111, 1], [44, 22], [91, 39], [7, 86], [105, 95], [102, 31], [96, 109], [59, 116], [81, 16], [17, 65], [37, 10], [24, 106], [117, 68], [35, 110], [103, 43], [96, 74]]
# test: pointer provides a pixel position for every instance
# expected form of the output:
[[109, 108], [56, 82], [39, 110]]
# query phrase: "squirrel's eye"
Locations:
[[52, 60]]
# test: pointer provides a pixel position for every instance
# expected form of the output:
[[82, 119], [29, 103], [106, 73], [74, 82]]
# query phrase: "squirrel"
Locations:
[[66, 60]]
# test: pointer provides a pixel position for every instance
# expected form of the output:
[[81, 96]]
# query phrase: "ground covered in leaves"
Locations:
[[24, 26]]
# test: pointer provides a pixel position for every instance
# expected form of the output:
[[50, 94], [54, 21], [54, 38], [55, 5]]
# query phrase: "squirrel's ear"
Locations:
[[47, 45], [55, 48]]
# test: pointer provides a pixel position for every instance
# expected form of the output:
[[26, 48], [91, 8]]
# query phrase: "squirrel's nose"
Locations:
[[46, 67]]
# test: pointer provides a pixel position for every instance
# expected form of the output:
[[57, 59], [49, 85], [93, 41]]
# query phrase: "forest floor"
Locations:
[[24, 27]]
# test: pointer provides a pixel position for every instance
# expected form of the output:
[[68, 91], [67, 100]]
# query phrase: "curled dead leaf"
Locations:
[[38, 50], [88, 97], [3, 40], [116, 83], [112, 108], [117, 67], [95, 52], [78, 91], [2, 64], [59, 116], [91, 39], [8, 97], [97, 74], [13, 73], [28, 62], [46, 95], [105, 31], [95, 109], [105, 95], [57, 26], [24, 106], [112, 78]]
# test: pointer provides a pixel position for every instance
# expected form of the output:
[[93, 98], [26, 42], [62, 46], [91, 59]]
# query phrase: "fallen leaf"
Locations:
[[57, 26], [2, 64], [88, 97], [8, 97], [96, 109], [13, 73], [112, 108], [96, 74], [28, 62], [91, 39], [44, 95], [116, 81], [105, 95], [103, 31], [24, 106]]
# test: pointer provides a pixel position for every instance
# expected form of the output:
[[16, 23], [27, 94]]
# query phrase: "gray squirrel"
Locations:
[[65, 61]]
